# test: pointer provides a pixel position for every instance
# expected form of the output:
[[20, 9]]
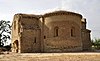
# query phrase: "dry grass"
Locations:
[[51, 57]]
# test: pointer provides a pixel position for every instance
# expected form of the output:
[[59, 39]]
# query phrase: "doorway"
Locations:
[[16, 46]]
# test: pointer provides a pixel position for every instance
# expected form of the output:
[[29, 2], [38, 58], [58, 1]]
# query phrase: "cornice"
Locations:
[[62, 13]]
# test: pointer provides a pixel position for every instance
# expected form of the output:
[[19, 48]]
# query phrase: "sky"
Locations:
[[90, 9]]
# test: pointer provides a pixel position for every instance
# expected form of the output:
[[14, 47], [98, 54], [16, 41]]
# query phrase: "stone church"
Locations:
[[58, 31]]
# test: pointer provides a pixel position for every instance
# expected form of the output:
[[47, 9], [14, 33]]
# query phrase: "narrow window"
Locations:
[[72, 31], [56, 31], [35, 40], [44, 37]]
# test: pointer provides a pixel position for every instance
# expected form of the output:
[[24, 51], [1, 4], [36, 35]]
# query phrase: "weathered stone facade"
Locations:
[[58, 31]]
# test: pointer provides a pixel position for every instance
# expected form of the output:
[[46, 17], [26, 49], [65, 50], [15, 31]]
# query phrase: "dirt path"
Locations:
[[51, 57]]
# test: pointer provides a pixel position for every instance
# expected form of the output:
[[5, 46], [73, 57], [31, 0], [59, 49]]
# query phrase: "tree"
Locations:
[[96, 43], [5, 31]]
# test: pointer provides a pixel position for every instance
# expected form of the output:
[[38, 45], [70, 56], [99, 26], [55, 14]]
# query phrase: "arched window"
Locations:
[[56, 31], [34, 39], [72, 32]]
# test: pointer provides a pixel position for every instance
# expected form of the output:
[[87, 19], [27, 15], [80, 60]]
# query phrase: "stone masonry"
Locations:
[[58, 31]]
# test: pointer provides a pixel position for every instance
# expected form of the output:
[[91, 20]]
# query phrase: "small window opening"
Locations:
[[73, 32], [44, 37], [56, 31], [35, 40]]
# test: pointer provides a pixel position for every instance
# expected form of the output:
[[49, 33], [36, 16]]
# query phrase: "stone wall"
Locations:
[[27, 33], [15, 35], [59, 31], [65, 23], [86, 40]]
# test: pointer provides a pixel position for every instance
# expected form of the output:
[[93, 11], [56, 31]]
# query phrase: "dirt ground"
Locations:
[[51, 57]]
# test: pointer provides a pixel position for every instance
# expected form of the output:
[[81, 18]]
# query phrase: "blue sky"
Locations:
[[90, 9]]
